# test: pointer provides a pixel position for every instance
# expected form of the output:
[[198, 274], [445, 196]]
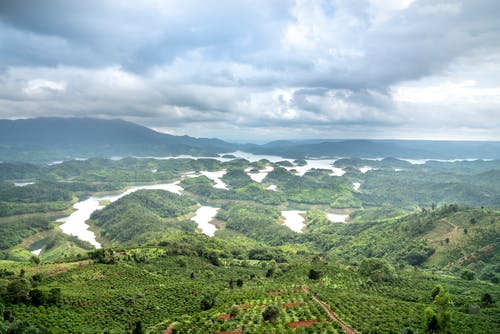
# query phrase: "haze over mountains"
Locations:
[[47, 139]]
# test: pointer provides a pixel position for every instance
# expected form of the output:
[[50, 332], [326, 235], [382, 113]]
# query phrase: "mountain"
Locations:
[[51, 139], [411, 149], [62, 138]]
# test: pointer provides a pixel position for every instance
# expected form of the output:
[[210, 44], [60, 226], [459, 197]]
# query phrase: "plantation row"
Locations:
[[280, 311]]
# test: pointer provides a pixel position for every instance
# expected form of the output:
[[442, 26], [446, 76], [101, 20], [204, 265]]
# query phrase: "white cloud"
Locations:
[[382, 68], [38, 87]]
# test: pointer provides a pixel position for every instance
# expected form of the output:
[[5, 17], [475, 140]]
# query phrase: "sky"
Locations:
[[258, 70]]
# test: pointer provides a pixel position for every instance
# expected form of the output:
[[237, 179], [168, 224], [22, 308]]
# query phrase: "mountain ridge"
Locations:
[[47, 139], [87, 137]]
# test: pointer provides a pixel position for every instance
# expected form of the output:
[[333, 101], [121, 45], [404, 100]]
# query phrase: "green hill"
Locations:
[[144, 216], [193, 283]]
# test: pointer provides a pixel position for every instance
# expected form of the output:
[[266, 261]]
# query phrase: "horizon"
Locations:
[[242, 141], [259, 71]]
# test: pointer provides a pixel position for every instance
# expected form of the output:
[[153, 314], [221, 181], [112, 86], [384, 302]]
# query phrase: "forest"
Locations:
[[417, 251]]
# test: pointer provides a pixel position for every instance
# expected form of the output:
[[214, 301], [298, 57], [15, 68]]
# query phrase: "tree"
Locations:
[[102, 255], [430, 321], [208, 301], [487, 299], [37, 297], [271, 313], [55, 296], [213, 258], [377, 269], [468, 274], [17, 291], [314, 274], [438, 319], [443, 302], [138, 328], [436, 291], [239, 282], [235, 310]]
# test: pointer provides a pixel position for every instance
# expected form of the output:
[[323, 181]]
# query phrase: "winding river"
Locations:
[[75, 224]]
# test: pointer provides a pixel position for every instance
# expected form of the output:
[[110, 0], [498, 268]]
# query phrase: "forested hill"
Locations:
[[61, 138], [410, 149]]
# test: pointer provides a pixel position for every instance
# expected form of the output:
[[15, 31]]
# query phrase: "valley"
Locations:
[[195, 245]]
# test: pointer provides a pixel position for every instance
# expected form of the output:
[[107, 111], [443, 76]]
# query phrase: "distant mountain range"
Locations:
[[41, 139], [48, 139], [408, 149]]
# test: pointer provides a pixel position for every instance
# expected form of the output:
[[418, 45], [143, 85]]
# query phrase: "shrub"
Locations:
[[271, 313]]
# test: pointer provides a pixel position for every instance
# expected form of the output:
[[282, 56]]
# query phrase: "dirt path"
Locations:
[[333, 316], [453, 232], [453, 238], [169, 329]]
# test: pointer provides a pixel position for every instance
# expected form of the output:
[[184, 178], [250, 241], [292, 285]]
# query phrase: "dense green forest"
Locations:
[[417, 254], [144, 216]]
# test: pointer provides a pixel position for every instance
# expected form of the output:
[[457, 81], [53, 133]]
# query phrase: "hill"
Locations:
[[144, 216], [197, 284], [409, 149], [46, 139]]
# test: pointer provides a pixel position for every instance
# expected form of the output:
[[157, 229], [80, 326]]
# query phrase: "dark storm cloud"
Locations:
[[315, 64]]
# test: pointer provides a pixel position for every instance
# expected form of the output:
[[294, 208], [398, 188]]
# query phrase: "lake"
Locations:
[[294, 220]]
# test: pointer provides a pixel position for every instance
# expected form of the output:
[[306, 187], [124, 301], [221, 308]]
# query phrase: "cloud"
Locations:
[[303, 68]]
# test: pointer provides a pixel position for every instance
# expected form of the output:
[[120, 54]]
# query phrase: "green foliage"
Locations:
[[431, 324], [377, 269], [236, 178], [37, 297], [425, 185], [149, 282], [398, 240], [314, 274], [235, 310], [14, 231], [144, 216], [208, 301], [468, 274], [442, 301], [271, 313], [487, 300], [316, 187], [256, 221], [34, 193], [138, 328], [102, 255], [17, 291]]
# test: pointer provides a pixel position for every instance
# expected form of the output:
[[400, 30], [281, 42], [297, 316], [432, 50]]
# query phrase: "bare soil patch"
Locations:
[[291, 305], [303, 323]]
